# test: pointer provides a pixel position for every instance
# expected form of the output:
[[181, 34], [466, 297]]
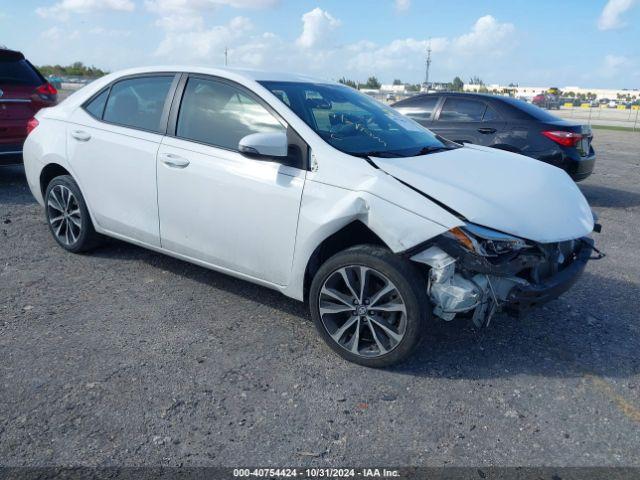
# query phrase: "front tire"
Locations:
[[68, 217], [369, 305]]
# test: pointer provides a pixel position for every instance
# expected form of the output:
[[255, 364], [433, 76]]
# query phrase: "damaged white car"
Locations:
[[313, 189]]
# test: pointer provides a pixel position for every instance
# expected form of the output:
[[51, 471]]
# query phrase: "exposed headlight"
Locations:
[[484, 241]]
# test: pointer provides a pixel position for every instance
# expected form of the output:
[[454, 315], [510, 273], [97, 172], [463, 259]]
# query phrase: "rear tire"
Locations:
[[375, 322], [68, 217]]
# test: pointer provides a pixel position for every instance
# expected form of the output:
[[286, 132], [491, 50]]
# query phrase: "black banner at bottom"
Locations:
[[397, 473]]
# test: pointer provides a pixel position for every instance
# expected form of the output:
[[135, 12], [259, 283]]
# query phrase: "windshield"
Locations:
[[355, 123]]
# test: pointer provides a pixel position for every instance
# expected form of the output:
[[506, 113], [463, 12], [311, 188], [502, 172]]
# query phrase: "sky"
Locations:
[[588, 43]]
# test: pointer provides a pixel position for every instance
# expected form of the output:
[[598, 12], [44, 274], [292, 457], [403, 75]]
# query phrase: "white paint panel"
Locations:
[[116, 172], [500, 190], [229, 210]]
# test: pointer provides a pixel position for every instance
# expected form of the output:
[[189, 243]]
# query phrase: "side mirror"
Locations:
[[264, 145]]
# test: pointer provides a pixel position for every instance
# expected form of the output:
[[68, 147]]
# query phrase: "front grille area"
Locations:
[[557, 256]]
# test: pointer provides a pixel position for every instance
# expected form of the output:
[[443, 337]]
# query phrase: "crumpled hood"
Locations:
[[500, 190]]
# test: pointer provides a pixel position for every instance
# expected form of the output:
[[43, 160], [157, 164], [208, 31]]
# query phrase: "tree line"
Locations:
[[76, 69], [457, 85]]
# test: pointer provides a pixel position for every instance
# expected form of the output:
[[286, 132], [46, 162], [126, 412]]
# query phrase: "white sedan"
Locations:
[[311, 188]]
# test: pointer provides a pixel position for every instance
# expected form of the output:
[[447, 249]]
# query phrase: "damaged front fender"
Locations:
[[399, 228]]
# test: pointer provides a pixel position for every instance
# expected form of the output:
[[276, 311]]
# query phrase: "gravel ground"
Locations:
[[128, 357]]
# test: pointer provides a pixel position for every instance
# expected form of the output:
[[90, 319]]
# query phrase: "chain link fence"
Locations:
[[620, 116]]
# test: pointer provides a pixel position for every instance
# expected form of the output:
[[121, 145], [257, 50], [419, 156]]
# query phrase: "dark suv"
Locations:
[[507, 124], [23, 91]]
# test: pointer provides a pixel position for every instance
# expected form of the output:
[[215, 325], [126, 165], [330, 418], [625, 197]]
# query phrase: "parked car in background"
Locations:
[[507, 124], [56, 81], [545, 100], [23, 91], [313, 189]]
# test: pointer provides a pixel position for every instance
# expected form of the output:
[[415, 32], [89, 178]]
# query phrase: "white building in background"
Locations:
[[389, 88], [530, 92]]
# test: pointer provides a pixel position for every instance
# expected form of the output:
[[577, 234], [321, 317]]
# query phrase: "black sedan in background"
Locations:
[[505, 123]]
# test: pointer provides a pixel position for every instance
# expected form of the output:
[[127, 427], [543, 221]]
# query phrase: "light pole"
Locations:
[[428, 64]]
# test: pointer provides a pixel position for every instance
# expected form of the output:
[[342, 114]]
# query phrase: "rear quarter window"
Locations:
[[96, 106], [530, 110]]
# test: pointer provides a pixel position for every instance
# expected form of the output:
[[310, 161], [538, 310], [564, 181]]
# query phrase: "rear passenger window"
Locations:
[[219, 114], [138, 102], [282, 95], [96, 106], [420, 109], [462, 110], [490, 115]]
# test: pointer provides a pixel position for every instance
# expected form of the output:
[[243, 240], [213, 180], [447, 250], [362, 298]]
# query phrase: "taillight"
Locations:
[[566, 139], [47, 92], [31, 125], [47, 89]]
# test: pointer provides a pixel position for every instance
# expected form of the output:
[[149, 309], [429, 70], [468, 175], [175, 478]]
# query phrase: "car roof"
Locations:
[[484, 96], [510, 108], [10, 55], [227, 72]]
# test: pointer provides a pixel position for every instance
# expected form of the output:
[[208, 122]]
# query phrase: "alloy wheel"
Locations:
[[65, 217], [363, 311]]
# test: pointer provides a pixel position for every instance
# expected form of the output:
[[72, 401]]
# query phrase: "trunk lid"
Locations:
[[584, 146], [16, 101], [16, 108]]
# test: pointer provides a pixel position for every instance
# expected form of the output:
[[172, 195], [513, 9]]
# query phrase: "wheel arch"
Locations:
[[354, 233], [48, 173]]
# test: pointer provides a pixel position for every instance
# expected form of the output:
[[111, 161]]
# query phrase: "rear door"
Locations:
[[492, 128], [112, 143], [467, 120]]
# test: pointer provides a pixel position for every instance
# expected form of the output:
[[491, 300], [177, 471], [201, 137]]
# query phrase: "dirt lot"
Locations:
[[129, 357]]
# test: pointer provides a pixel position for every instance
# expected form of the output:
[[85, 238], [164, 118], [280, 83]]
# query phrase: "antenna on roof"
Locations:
[[226, 56], [428, 63]]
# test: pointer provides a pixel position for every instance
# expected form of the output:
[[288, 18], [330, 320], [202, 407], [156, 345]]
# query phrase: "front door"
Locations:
[[216, 205]]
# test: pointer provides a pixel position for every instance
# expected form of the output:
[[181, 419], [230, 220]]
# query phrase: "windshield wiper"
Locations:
[[376, 153], [428, 150], [390, 154]]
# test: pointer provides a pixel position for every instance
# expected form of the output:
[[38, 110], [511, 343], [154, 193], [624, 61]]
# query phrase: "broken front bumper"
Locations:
[[522, 298], [460, 281]]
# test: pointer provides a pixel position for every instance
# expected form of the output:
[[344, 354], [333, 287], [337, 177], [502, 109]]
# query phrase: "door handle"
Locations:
[[174, 161], [487, 130], [81, 135]]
